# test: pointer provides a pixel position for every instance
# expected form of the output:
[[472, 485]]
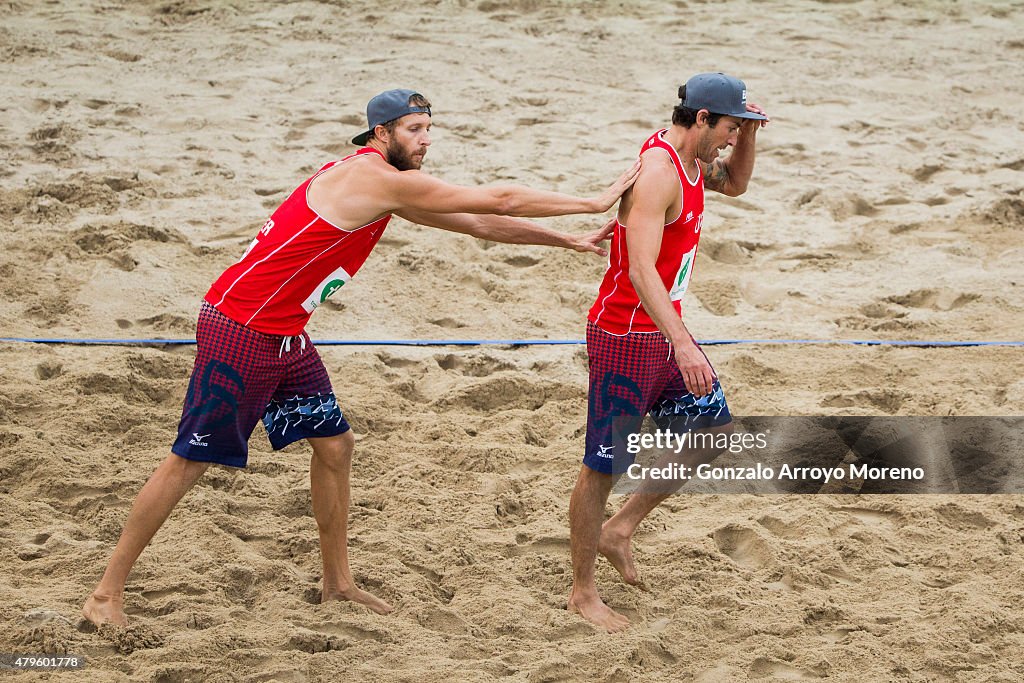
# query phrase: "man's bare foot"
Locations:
[[105, 609], [357, 596], [619, 551], [593, 609]]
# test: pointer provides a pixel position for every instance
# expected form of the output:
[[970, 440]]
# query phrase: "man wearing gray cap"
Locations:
[[254, 360], [642, 358]]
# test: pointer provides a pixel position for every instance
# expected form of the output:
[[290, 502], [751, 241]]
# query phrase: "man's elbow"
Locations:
[[636, 275], [734, 189], [506, 202]]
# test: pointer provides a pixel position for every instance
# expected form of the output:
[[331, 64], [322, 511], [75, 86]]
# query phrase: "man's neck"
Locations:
[[684, 141]]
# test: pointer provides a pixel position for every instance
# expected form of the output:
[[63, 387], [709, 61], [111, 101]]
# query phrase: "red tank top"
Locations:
[[618, 309], [297, 260]]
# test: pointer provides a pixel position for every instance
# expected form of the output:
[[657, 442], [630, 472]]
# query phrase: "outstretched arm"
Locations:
[[730, 176], [412, 190], [511, 230]]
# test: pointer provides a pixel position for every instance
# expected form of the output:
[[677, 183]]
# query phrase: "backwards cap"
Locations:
[[388, 106]]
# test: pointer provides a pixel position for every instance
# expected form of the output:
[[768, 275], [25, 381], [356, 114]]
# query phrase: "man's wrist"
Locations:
[[679, 339]]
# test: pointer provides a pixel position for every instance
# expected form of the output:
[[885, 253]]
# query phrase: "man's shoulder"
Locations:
[[362, 170], [656, 158], [658, 167]]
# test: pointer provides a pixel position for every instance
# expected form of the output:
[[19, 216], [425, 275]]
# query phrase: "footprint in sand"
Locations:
[[934, 299], [886, 400], [168, 322], [397, 362], [513, 7], [442, 620], [301, 127], [762, 667], [34, 549], [726, 251], [54, 144], [123, 56], [904, 227], [447, 323], [719, 297], [927, 171], [752, 370], [744, 547], [870, 516], [880, 311], [521, 261], [312, 642], [761, 294], [49, 369], [99, 239], [545, 545], [841, 206], [49, 312], [959, 518], [473, 365], [505, 391], [1006, 213]]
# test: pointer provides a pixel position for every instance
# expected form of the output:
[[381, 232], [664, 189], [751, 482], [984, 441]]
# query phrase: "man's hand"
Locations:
[[696, 370], [755, 123], [591, 241], [611, 195]]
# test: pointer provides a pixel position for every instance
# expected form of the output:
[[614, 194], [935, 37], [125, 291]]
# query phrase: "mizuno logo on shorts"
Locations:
[[198, 439]]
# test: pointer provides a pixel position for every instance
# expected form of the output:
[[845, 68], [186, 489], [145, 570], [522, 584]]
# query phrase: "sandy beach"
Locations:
[[143, 145]]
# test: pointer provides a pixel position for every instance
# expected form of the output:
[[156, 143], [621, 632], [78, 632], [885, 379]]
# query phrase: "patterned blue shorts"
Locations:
[[242, 376], [633, 375]]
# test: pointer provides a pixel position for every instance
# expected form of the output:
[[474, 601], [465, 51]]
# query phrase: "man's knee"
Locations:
[[334, 451], [592, 481], [185, 468]]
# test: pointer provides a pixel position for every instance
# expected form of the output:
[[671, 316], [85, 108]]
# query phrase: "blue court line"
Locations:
[[512, 342]]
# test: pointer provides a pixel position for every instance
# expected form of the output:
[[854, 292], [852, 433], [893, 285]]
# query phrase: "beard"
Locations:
[[401, 159], [707, 152]]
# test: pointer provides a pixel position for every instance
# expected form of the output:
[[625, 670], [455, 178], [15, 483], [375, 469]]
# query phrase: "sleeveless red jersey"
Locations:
[[618, 309], [297, 260]]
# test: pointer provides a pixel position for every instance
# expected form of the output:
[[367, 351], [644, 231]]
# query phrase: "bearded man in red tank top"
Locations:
[[642, 358], [254, 361]]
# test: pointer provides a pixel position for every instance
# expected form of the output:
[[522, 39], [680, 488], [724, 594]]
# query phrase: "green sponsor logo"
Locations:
[[332, 287], [682, 273]]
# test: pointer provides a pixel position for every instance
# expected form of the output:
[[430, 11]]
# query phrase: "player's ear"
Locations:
[[380, 132], [702, 117]]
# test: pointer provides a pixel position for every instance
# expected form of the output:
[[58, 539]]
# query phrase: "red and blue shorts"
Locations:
[[633, 375], [242, 376]]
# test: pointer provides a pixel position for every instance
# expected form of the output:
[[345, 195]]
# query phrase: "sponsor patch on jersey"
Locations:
[[682, 279], [328, 286]]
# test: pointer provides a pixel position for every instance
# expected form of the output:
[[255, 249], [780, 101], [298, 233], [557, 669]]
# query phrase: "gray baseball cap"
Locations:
[[388, 106], [719, 94]]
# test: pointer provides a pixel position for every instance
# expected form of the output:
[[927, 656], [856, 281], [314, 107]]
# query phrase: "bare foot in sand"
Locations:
[[618, 550], [593, 609], [357, 596], [105, 609]]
